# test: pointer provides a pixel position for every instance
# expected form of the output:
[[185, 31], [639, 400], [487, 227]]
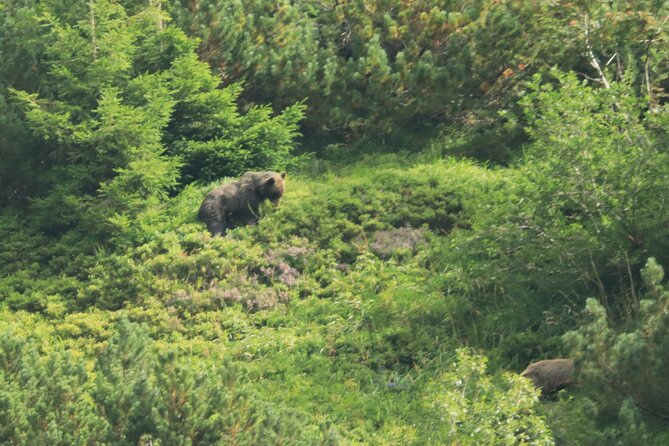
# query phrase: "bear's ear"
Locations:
[[269, 181], [283, 175]]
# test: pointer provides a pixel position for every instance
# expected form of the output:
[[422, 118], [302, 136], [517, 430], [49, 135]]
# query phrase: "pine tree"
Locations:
[[124, 114]]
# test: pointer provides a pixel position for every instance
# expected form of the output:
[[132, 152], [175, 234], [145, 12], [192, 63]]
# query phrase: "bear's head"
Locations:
[[271, 186]]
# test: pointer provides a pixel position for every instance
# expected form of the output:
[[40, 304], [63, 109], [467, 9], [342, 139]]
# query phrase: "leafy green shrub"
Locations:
[[563, 225], [599, 163], [625, 368], [576, 218], [583, 420], [368, 69], [467, 406], [391, 71]]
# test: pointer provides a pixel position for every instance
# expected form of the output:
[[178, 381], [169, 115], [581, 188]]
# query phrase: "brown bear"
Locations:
[[237, 203], [550, 375]]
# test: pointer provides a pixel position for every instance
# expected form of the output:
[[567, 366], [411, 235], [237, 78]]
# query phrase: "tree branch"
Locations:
[[591, 55]]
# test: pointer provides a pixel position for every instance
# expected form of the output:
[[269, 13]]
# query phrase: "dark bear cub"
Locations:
[[551, 375], [237, 203]]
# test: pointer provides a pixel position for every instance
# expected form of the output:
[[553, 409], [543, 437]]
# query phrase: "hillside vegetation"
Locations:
[[446, 221]]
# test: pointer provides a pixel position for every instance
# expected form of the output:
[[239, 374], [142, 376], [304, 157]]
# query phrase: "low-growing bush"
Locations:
[[133, 393], [468, 406]]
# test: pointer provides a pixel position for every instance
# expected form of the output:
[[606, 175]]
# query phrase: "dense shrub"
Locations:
[[472, 408], [125, 114], [624, 367], [132, 394], [391, 71], [599, 162], [578, 217]]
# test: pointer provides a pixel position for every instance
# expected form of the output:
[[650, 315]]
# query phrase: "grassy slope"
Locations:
[[348, 302]]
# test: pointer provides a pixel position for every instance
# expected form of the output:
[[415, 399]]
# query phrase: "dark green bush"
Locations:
[[627, 364]]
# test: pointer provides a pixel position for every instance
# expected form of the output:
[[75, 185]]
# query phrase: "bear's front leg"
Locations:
[[216, 228], [217, 224]]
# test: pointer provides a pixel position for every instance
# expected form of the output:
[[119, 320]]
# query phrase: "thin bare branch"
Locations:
[[591, 55]]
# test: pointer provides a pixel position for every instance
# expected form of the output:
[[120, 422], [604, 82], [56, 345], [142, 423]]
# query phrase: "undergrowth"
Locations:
[[386, 303]]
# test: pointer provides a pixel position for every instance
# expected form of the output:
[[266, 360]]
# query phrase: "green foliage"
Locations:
[[329, 310], [605, 156], [211, 135], [600, 166], [44, 396], [576, 218], [365, 68], [125, 112], [380, 69], [349, 314], [471, 408], [344, 307], [131, 394], [625, 367]]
